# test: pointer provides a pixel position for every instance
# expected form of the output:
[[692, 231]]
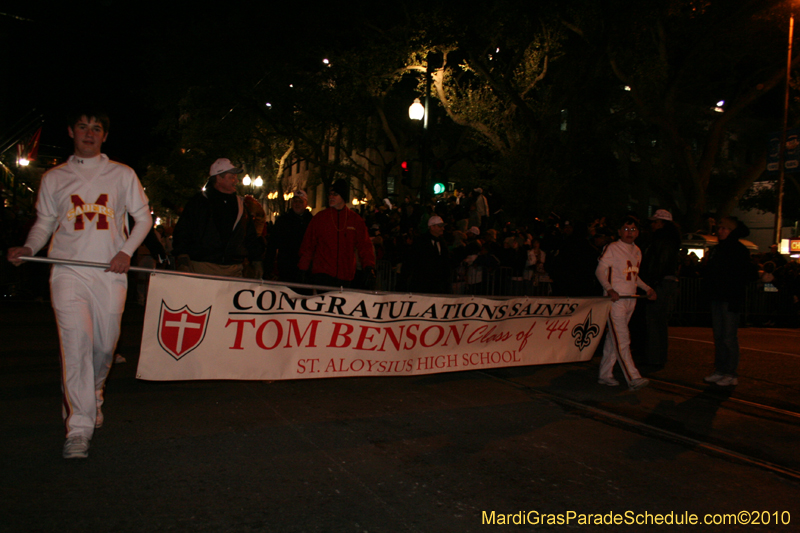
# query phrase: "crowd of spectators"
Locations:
[[547, 256]]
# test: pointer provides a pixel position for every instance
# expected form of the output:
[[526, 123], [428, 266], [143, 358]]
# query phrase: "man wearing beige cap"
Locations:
[[215, 234]]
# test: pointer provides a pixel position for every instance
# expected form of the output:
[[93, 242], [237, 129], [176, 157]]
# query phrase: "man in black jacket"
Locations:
[[215, 234], [286, 238], [660, 270]]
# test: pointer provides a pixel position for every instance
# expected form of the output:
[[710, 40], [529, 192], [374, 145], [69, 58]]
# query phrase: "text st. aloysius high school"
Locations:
[[210, 329]]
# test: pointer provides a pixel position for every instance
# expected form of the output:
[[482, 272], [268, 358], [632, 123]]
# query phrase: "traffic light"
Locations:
[[438, 188], [405, 171]]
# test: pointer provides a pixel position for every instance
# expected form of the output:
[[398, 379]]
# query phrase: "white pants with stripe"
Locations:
[[88, 305], [618, 342]]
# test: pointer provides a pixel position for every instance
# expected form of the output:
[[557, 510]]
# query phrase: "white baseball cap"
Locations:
[[223, 165], [301, 194], [662, 214], [434, 220]]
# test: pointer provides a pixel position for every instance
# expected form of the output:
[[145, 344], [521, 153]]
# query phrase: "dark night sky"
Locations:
[[117, 53]]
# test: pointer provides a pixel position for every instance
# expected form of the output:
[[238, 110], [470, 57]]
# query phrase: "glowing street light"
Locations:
[[416, 111], [247, 181]]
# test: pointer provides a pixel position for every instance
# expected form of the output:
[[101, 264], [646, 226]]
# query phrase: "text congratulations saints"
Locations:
[[247, 301]]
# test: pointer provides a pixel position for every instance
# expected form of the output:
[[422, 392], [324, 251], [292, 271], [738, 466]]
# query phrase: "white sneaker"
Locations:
[[611, 382], [727, 381], [638, 383], [713, 378], [76, 448]]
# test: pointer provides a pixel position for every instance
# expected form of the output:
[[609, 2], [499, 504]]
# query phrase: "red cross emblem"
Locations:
[[181, 331]]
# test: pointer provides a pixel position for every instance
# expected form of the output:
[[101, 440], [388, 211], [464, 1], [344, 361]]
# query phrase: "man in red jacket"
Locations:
[[331, 240]]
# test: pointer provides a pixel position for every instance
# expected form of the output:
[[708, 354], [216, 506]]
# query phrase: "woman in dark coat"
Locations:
[[725, 276]]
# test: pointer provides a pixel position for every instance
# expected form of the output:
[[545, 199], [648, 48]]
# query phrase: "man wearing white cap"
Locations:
[[215, 234], [660, 270], [286, 238], [428, 263]]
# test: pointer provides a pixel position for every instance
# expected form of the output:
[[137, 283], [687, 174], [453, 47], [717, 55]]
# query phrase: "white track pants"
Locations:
[[618, 342], [88, 307]]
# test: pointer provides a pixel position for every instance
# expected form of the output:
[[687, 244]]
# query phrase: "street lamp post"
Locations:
[[782, 150], [271, 197], [419, 112], [252, 183]]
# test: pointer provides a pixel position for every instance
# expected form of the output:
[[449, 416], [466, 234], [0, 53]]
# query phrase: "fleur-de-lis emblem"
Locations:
[[583, 333]]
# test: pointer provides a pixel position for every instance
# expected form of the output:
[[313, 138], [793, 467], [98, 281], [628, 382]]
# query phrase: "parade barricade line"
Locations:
[[212, 327]]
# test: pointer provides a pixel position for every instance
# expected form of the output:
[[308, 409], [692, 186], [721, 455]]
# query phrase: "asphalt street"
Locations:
[[440, 453]]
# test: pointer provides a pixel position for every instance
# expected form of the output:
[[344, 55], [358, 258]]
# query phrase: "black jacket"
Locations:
[[661, 256], [198, 235], [285, 240], [428, 266], [728, 270]]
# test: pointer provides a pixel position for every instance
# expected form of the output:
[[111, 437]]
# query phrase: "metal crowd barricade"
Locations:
[[385, 276], [767, 305], [761, 307], [497, 281], [688, 309]]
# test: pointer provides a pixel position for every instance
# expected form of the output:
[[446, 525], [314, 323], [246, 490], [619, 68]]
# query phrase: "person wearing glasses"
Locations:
[[618, 273]]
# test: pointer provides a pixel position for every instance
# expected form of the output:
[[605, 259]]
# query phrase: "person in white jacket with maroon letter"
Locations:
[[84, 204], [618, 273]]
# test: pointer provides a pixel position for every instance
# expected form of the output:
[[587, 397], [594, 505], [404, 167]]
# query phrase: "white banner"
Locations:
[[210, 329]]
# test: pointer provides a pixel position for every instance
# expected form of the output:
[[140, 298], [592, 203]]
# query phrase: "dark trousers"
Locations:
[[726, 338], [657, 317]]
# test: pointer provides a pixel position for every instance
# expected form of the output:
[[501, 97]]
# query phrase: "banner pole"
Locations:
[[89, 264]]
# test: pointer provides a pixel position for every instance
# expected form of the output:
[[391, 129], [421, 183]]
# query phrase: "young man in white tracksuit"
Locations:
[[618, 273], [84, 204]]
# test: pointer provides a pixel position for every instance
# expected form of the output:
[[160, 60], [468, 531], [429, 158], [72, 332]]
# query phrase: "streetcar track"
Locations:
[[740, 347], [709, 390], [644, 428], [665, 385]]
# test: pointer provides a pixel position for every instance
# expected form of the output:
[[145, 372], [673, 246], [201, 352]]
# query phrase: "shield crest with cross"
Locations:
[[181, 331]]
